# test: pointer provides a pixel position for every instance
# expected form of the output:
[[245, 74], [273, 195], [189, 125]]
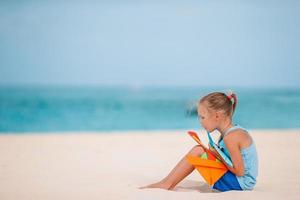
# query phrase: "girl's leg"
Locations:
[[180, 171]]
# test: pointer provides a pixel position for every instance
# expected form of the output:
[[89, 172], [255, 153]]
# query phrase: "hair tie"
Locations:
[[230, 97]]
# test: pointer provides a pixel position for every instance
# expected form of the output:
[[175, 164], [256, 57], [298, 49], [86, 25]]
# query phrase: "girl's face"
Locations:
[[207, 118]]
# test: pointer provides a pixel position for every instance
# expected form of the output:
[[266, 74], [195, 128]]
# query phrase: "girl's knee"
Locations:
[[196, 150]]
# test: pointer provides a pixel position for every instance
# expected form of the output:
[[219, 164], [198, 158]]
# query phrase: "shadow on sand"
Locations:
[[190, 185]]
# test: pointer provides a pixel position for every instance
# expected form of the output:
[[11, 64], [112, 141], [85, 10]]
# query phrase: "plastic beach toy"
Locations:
[[208, 165], [221, 153]]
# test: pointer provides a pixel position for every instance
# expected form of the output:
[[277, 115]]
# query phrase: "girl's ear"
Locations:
[[218, 114], [215, 115]]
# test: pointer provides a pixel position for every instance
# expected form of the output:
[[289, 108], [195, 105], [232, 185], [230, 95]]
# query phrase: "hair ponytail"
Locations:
[[234, 97]]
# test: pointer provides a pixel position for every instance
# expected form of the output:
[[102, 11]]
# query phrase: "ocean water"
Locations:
[[44, 109]]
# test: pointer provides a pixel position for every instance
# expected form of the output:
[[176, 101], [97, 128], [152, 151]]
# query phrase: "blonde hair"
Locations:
[[220, 101]]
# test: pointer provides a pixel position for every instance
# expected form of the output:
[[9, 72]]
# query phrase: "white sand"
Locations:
[[113, 166]]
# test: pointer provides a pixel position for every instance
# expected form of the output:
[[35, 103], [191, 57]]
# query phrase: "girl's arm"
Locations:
[[232, 143]]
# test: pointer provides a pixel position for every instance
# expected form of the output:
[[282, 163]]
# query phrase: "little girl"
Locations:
[[215, 112]]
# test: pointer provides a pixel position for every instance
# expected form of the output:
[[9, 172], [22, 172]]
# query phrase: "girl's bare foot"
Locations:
[[179, 172], [160, 185]]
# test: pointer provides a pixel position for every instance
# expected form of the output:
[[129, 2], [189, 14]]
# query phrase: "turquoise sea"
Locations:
[[44, 109]]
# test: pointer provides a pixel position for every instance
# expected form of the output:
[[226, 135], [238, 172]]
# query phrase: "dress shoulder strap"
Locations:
[[235, 127]]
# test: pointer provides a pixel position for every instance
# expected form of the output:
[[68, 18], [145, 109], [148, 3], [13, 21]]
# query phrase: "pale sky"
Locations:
[[150, 43]]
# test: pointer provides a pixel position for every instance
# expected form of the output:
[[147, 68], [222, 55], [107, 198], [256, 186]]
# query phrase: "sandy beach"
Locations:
[[87, 165]]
